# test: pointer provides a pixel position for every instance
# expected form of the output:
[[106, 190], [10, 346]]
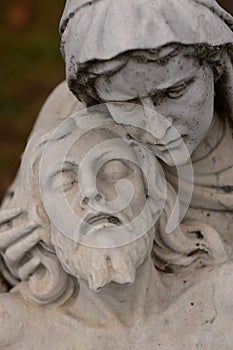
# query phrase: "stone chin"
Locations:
[[101, 266]]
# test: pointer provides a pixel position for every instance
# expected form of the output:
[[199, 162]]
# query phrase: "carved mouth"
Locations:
[[92, 222], [103, 220]]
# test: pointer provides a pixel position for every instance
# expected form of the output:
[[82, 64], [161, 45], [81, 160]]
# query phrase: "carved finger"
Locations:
[[15, 252], [9, 214], [10, 236], [27, 269]]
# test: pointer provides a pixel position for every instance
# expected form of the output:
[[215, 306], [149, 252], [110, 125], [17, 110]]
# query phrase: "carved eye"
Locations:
[[115, 170], [179, 90], [68, 180], [63, 180]]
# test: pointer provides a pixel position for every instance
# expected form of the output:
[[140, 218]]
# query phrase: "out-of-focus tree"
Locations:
[[30, 67], [19, 13]]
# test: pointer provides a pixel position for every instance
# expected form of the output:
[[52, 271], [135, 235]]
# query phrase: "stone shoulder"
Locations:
[[26, 325], [223, 286], [223, 301], [11, 319], [60, 104], [21, 319]]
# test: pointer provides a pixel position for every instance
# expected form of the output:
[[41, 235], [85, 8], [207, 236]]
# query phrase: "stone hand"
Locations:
[[17, 243]]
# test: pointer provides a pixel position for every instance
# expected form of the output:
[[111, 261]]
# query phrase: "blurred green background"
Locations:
[[30, 67]]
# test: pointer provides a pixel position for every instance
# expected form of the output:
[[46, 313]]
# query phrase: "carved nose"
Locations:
[[157, 123], [88, 189], [85, 202]]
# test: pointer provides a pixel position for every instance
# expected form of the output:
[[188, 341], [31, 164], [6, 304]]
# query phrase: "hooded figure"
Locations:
[[99, 31], [103, 29]]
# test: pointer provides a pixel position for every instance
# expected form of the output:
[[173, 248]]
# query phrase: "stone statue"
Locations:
[[176, 63], [88, 284], [90, 235]]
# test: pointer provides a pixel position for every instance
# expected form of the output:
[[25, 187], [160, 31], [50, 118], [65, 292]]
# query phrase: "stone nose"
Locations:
[[89, 194], [87, 200], [156, 123]]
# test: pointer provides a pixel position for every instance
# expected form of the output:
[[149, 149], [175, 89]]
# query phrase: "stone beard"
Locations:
[[100, 266]]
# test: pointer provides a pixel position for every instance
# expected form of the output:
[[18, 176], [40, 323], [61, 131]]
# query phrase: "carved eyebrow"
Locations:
[[102, 68], [160, 57], [67, 166], [64, 136], [184, 82]]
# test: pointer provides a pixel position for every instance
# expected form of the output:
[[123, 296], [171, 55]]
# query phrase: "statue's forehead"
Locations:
[[116, 64], [73, 147]]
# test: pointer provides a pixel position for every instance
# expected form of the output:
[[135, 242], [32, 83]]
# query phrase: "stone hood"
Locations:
[[105, 28]]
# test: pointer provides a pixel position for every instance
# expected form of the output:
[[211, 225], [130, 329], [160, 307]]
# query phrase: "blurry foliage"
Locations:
[[30, 66]]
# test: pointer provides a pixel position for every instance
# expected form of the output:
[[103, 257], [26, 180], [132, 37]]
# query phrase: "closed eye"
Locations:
[[115, 170], [63, 180], [69, 180], [179, 90], [173, 92]]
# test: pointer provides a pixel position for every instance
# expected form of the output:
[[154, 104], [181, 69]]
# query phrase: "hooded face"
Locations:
[[179, 91], [103, 29], [173, 102]]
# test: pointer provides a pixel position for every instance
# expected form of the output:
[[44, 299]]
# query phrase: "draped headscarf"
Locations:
[[103, 29]]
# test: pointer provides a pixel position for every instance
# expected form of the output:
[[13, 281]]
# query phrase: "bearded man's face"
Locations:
[[112, 206]]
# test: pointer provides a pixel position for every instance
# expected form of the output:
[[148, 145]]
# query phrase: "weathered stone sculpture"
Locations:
[[117, 231], [176, 63]]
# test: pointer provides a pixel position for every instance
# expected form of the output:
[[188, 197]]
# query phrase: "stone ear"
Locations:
[[49, 282]]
